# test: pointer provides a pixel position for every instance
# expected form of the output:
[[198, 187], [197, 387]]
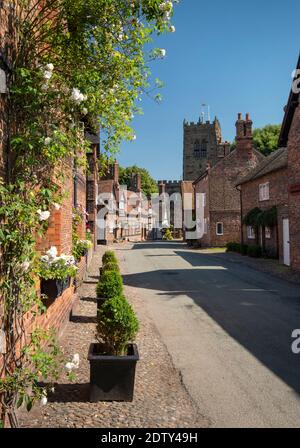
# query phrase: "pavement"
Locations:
[[227, 327], [160, 400]]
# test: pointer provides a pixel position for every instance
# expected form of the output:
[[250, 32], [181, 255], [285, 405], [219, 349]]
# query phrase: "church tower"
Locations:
[[202, 144]]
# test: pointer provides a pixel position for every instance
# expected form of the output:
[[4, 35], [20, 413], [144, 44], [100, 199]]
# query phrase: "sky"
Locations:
[[236, 56]]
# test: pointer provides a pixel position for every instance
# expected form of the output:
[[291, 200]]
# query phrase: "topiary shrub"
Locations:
[[110, 266], [117, 325], [109, 257], [109, 285], [254, 251]]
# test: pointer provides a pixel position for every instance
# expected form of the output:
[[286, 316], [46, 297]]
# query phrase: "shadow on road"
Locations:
[[255, 309]]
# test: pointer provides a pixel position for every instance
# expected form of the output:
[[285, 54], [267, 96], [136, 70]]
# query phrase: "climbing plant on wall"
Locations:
[[73, 61]]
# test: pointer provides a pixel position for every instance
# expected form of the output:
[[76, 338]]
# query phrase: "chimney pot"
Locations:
[[239, 116], [248, 117]]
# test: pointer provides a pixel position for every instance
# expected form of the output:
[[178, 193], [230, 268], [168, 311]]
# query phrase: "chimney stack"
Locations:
[[244, 138]]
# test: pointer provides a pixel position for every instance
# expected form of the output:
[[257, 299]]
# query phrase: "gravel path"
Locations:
[[160, 399]]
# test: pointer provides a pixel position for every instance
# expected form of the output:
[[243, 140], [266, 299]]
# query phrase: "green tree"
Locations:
[[149, 185], [266, 138]]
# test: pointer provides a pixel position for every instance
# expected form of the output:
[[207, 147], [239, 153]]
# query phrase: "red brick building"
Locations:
[[290, 138], [216, 186], [122, 214], [265, 189]]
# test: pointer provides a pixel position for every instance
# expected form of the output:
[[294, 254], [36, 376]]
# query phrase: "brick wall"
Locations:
[[223, 198], [294, 188], [278, 184]]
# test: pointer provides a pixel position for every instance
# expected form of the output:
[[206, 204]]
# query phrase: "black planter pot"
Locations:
[[54, 288], [112, 377]]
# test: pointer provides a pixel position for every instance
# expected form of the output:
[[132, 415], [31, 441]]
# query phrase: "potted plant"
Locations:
[[110, 285], [114, 356], [80, 248], [55, 272], [109, 256], [109, 266]]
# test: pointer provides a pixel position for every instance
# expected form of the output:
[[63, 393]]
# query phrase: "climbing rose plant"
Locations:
[[73, 62]]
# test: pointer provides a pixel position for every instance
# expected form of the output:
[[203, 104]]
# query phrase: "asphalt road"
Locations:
[[228, 329]]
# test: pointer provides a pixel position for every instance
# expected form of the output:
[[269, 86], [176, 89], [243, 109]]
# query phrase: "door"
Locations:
[[286, 242]]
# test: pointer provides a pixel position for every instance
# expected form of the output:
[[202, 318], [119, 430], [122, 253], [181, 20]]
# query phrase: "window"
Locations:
[[268, 232], [205, 225], [197, 148], [219, 228], [203, 149], [251, 233], [264, 191], [204, 199]]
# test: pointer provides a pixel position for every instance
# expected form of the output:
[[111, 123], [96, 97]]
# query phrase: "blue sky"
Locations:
[[236, 56]]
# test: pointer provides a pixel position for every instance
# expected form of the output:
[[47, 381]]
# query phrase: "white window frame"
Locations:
[[204, 200], [268, 233], [205, 226], [251, 233], [222, 231], [264, 191]]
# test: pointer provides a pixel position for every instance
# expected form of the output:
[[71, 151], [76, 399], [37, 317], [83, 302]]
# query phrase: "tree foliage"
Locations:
[[266, 138], [149, 185], [73, 62]]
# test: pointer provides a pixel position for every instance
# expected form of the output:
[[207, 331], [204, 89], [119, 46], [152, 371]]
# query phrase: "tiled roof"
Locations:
[[274, 162]]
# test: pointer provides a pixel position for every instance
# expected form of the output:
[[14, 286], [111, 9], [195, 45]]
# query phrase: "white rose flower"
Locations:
[[162, 52], [47, 74], [84, 111], [172, 29], [48, 141], [56, 206], [134, 137], [77, 96], [69, 366], [25, 266], [50, 67], [76, 360], [52, 252], [44, 399], [43, 215]]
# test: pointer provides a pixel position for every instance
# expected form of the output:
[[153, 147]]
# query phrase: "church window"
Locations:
[[197, 149], [203, 148]]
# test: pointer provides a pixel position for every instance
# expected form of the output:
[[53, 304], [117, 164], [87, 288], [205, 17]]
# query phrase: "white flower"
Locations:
[[77, 96], [43, 215], [52, 252], [50, 67], [25, 266], [166, 6], [47, 74], [52, 390], [134, 137], [44, 399], [172, 29], [70, 366], [48, 141], [45, 258], [56, 206], [162, 52], [84, 111], [76, 360]]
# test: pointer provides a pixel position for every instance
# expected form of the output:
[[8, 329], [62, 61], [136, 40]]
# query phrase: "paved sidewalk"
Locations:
[[160, 397]]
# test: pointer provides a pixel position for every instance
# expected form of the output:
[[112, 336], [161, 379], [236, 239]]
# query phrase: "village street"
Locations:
[[227, 328]]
